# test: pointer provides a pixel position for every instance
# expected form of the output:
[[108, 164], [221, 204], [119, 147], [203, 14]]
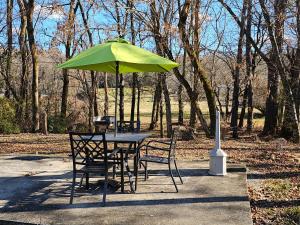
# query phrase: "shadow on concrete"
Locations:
[[38, 190], [29, 157], [8, 222], [30, 190], [183, 172], [178, 201]]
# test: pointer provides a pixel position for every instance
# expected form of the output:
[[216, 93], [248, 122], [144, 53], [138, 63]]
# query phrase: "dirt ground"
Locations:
[[273, 168]]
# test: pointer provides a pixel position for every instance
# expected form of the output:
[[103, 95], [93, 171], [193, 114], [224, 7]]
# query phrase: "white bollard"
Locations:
[[217, 162]]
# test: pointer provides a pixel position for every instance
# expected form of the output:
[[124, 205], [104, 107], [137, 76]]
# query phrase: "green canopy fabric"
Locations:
[[118, 56], [131, 58]]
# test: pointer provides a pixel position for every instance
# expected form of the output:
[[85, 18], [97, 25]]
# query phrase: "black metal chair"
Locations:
[[91, 156], [101, 126], [165, 146], [128, 126]]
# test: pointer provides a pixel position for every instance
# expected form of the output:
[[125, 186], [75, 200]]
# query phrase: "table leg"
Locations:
[[131, 178], [122, 171], [135, 166]]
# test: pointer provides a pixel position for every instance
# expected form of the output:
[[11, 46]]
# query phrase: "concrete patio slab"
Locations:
[[35, 189]]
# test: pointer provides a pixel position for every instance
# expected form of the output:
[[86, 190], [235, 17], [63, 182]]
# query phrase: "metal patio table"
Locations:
[[134, 140]]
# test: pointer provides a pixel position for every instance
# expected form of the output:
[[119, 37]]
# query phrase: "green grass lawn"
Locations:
[[147, 96]]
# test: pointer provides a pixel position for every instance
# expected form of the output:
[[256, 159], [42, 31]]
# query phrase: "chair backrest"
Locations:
[[101, 126], [175, 133], [128, 126], [88, 148]]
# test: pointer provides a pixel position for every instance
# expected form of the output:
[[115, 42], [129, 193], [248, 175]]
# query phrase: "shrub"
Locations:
[[57, 124], [8, 122]]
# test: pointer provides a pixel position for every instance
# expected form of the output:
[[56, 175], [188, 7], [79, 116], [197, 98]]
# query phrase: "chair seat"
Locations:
[[95, 168], [154, 158]]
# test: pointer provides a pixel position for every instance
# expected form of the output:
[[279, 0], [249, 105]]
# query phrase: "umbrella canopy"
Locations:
[[131, 58], [118, 56]]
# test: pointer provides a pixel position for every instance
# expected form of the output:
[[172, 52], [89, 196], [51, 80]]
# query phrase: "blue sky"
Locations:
[[49, 19]]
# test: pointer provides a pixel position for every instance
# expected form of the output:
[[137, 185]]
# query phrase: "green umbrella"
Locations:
[[118, 56]]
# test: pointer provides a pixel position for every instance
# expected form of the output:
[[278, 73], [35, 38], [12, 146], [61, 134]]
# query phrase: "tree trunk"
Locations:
[[291, 127], [96, 109], [168, 105], [236, 86], [227, 98], [271, 112], [69, 31], [133, 96], [138, 105], [161, 116], [65, 93], [179, 93], [198, 67], [195, 23], [35, 66], [121, 102], [21, 107], [93, 92], [243, 111], [250, 107], [155, 107], [217, 94], [196, 93], [134, 75], [163, 43], [9, 18], [91, 115], [250, 68], [180, 105], [275, 64], [105, 95], [192, 96], [192, 122]]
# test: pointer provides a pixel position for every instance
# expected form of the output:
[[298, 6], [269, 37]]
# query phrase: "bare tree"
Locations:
[[236, 86], [198, 67], [29, 9], [69, 36], [161, 39]]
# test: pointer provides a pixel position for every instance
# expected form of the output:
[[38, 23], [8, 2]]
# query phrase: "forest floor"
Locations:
[[273, 168]]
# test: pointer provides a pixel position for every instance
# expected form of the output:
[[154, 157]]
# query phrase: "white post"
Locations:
[[217, 163]]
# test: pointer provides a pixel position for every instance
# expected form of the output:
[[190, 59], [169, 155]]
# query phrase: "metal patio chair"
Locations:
[[165, 146], [128, 127], [91, 156]]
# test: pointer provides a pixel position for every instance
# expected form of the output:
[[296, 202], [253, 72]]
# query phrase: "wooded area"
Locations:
[[240, 56]]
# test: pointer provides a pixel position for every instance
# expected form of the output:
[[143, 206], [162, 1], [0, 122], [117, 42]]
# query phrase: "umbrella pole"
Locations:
[[116, 98]]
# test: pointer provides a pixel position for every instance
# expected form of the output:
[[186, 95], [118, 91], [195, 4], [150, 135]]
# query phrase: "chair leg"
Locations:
[[114, 172], [122, 172], [87, 186], [136, 171], [81, 180], [73, 188], [140, 163], [146, 171], [178, 172], [105, 189], [171, 174]]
